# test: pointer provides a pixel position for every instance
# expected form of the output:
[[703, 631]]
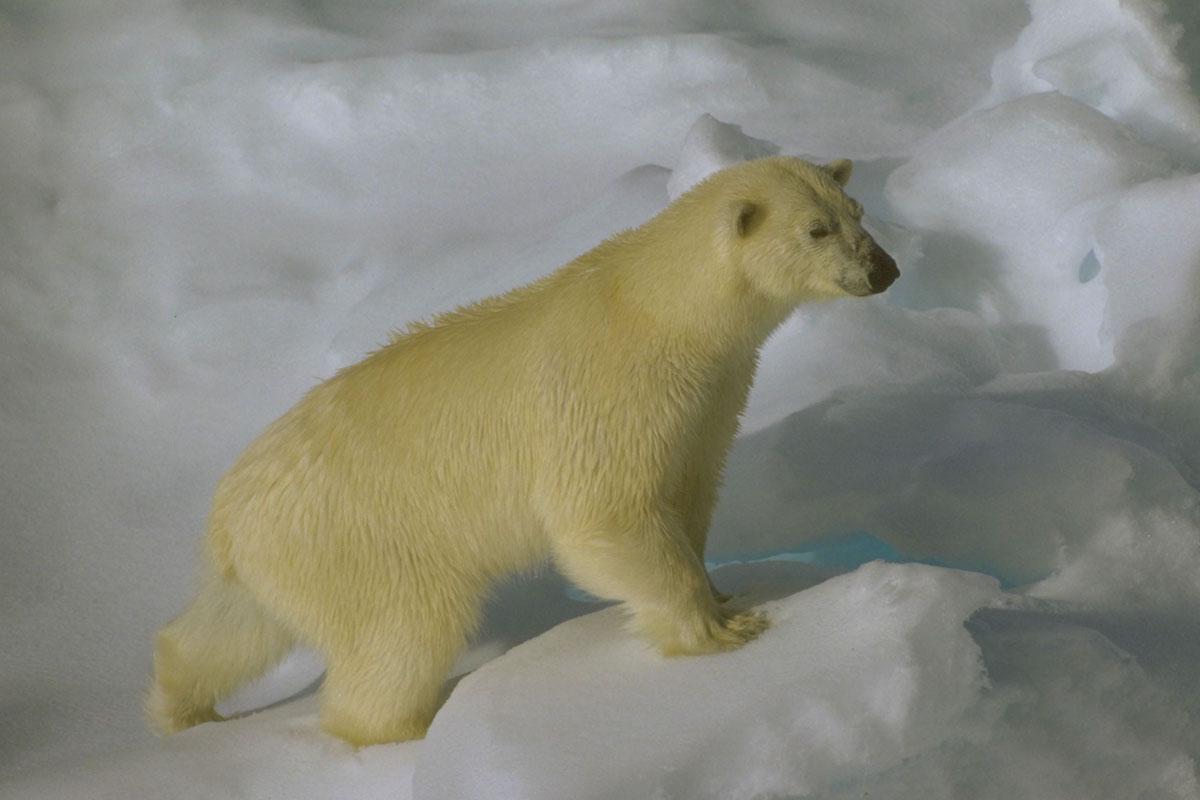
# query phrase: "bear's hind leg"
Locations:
[[385, 686], [221, 641]]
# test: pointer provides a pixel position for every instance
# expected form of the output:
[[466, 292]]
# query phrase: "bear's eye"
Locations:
[[819, 230]]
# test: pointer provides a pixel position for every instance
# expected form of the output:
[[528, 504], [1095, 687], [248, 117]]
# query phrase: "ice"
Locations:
[[855, 676], [1148, 250], [867, 685], [1007, 197], [710, 146], [1116, 56], [209, 207], [873, 344], [1089, 102], [277, 753], [1039, 483], [1068, 714]]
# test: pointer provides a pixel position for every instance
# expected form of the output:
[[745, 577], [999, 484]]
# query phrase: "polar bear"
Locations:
[[584, 417]]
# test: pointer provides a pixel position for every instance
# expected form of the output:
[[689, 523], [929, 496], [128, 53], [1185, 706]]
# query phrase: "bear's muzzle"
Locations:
[[883, 270]]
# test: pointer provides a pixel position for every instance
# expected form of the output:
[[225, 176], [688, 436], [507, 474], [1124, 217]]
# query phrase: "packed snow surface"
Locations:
[[207, 208], [786, 724]]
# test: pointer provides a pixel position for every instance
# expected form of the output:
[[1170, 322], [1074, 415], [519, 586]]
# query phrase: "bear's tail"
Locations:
[[221, 641]]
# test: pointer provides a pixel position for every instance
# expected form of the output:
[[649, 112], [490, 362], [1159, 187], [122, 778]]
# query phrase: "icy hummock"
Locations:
[[913, 681], [278, 753], [905, 681], [1008, 197], [1115, 56], [711, 146], [855, 675]]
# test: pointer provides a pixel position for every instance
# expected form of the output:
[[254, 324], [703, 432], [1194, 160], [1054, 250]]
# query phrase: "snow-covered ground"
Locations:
[[207, 207]]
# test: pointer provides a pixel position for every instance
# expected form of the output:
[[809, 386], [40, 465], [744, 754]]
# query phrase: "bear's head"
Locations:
[[795, 235]]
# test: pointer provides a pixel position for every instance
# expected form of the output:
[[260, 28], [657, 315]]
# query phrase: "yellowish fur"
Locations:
[[584, 417]]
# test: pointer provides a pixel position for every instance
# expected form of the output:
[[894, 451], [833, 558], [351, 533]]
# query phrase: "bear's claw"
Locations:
[[729, 630]]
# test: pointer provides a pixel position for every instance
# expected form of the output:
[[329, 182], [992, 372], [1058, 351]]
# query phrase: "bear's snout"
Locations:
[[883, 270]]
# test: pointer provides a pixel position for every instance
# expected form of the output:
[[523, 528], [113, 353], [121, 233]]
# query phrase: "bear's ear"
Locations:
[[747, 216], [840, 170]]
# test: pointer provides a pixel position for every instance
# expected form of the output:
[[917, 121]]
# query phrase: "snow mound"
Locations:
[[711, 146], [1007, 198], [904, 681], [1148, 253], [829, 349], [1067, 714], [1114, 55], [1043, 481], [855, 675], [279, 753]]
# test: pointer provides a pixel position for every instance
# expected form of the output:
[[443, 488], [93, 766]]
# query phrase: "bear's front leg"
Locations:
[[699, 480], [649, 564], [696, 498]]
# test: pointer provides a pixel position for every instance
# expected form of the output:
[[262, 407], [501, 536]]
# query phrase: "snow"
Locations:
[[859, 673], [1007, 195], [1036, 479], [710, 146], [1115, 56], [281, 754], [209, 207]]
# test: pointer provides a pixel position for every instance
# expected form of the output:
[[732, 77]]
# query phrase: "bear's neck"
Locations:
[[675, 288]]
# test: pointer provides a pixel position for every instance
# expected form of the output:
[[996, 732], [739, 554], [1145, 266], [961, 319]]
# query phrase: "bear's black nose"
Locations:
[[883, 272]]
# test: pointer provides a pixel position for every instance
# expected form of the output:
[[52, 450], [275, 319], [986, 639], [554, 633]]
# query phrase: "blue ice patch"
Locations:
[[851, 550], [844, 552], [1089, 267]]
